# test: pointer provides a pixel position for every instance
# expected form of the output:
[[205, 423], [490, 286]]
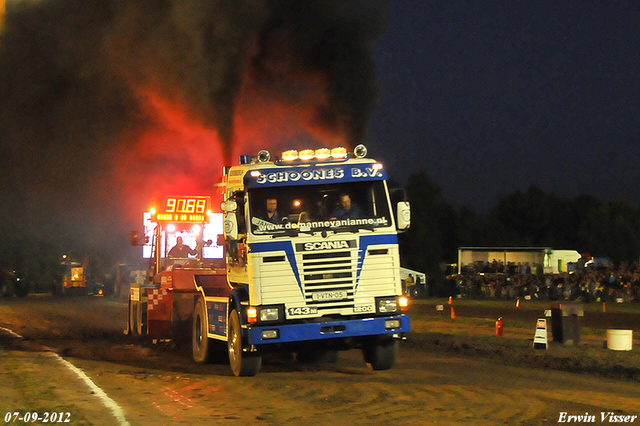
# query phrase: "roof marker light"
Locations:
[[360, 151], [322, 153], [377, 166], [290, 155], [338, 153], [306, 154], [255, 173]]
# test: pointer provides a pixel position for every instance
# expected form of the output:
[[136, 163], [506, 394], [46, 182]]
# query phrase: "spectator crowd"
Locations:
[[586, 283]]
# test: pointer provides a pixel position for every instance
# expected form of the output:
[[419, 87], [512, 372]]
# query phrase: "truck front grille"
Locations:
[[329, 279]]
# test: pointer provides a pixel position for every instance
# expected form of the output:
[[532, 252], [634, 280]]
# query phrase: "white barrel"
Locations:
[[620, 340]]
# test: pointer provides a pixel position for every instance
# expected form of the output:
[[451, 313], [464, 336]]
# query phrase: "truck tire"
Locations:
[[137, 319], [56, 288], [415, 293], [380, 354], [22, 289], [201, 345], [6, 288], [133, 319], [142, 319], [242, 364]]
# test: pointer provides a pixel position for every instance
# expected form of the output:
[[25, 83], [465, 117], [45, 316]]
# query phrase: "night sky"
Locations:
[[105, 104], [488, 97]]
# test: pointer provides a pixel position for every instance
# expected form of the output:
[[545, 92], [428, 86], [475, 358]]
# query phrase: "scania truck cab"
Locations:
[[321, 272]]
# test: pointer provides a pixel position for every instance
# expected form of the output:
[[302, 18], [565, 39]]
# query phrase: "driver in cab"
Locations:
[[271, 214], [181, 251], [346, 209]]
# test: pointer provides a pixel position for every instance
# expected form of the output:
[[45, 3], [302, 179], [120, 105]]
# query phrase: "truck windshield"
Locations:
[[311, 208]]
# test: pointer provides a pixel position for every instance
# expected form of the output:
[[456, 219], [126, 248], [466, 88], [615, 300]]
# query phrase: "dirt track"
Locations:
[[161, 385], [595, 318]]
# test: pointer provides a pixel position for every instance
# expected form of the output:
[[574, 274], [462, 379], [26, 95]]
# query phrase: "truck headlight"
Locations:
[[269, 314], [387, 305]]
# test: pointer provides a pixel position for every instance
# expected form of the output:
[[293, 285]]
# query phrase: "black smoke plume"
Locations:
[[77, 76]]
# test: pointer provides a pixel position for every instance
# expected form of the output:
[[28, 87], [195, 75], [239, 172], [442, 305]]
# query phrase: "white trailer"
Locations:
[[539, 259]]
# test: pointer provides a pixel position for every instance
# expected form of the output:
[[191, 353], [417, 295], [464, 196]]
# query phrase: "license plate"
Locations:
[[329, 295]]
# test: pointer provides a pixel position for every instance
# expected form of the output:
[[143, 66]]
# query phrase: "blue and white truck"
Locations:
[[312, 263]]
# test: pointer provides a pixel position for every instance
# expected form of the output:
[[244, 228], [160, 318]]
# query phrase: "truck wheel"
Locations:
[[133, 319], [137, 319], [142, 319], [242, 364], [56, 289], [201, 345], [6, 288], [22, 289], [381, 354]]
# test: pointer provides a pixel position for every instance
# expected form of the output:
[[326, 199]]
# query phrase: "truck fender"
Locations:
[[237, 296]]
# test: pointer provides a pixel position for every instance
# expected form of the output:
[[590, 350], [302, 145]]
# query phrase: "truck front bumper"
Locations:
[[284, 333]]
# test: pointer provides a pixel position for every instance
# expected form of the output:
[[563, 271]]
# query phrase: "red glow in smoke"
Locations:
[[177, 155], [171, 155], [284, 116]]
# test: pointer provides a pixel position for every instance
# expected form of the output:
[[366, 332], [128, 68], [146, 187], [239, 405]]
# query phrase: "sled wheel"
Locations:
[[200, 343]]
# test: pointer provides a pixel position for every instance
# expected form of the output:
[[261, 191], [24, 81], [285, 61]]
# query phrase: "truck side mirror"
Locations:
[[229, 206], [403, 215], [135, 237], [231, 225], [220, 240]]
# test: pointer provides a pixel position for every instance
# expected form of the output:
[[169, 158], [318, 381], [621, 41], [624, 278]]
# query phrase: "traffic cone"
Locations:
[[604, 306], [450, 300], [518, 303], [499, 327], [453, 313]]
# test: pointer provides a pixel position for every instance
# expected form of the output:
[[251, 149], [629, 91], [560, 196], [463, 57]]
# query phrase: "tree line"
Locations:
[[530, 218]]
